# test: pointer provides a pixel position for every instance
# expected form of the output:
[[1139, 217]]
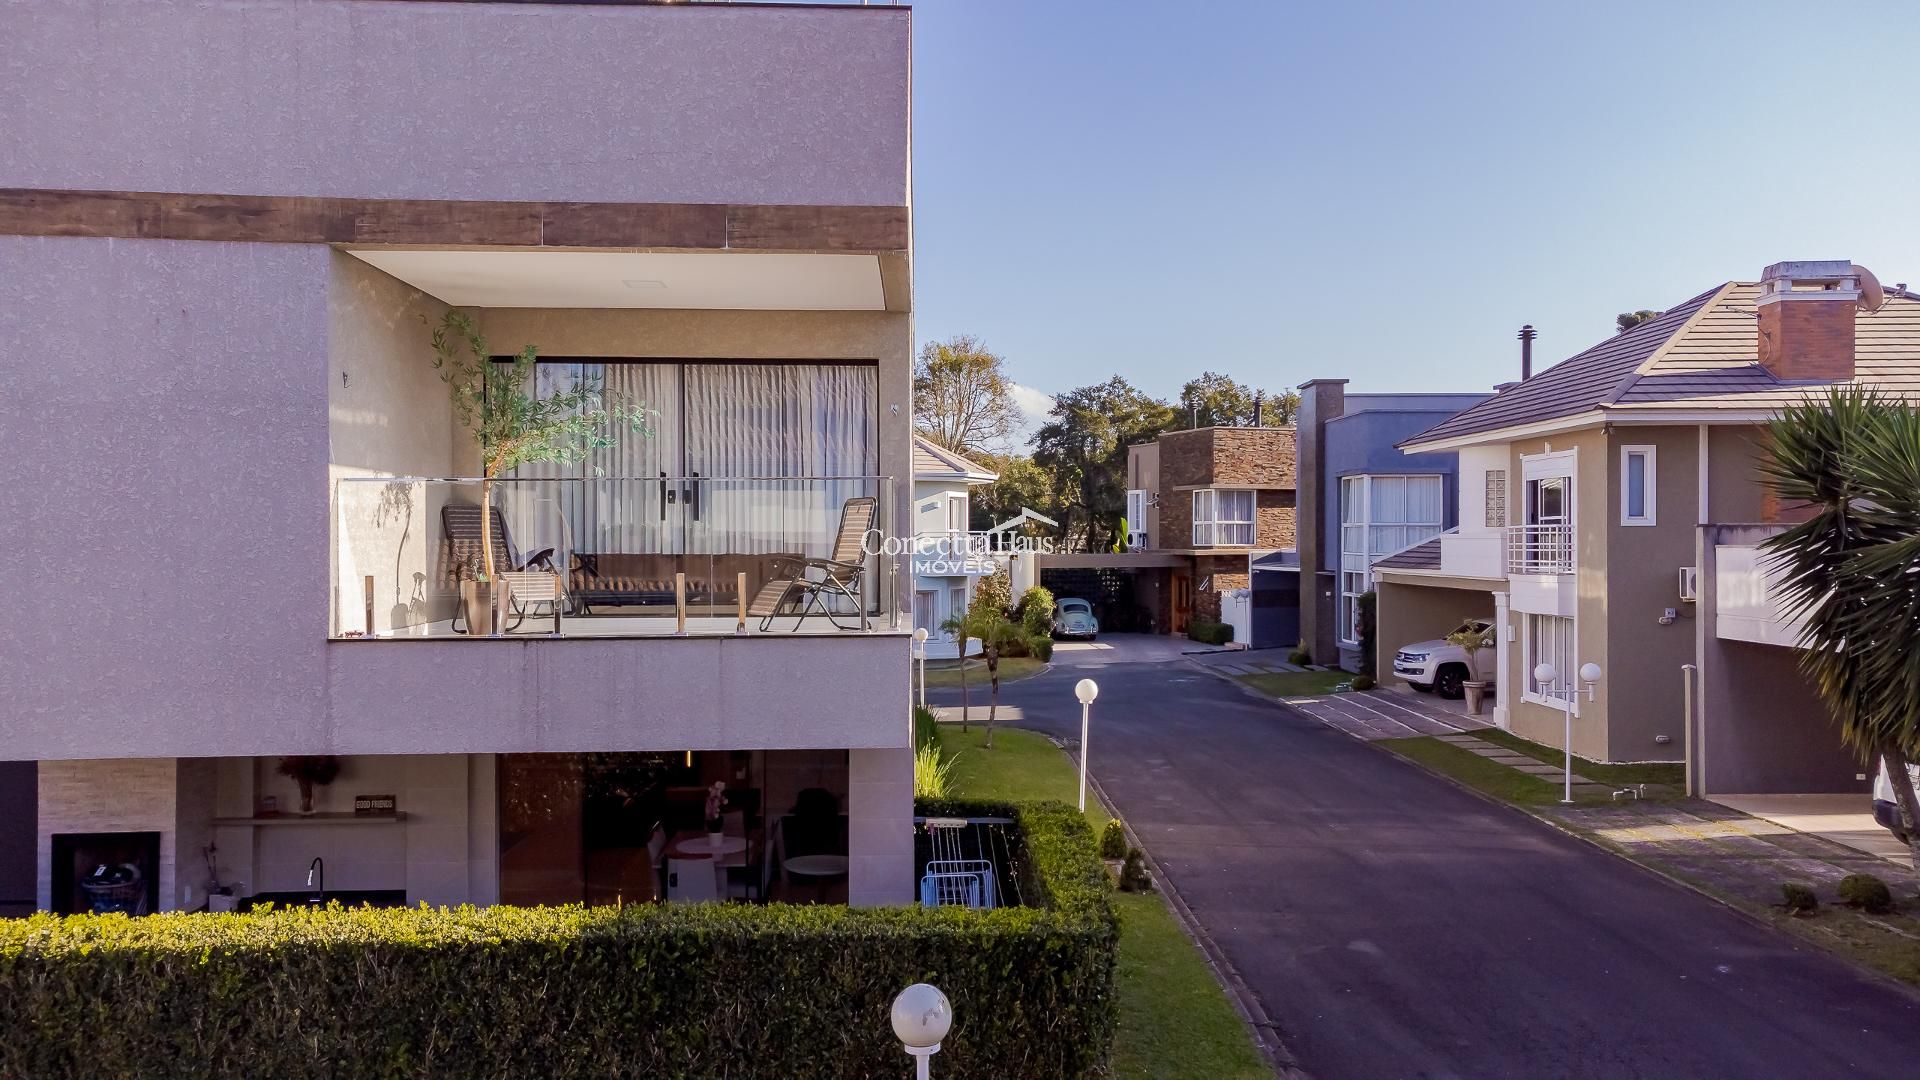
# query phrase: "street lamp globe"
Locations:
[[1086, 690], [921, 1016], [1590, 673], [920, 635], [1543, 673]]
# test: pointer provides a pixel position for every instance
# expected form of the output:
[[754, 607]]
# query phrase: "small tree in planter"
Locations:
[[515, 425], [1472, 642], [309, 771]]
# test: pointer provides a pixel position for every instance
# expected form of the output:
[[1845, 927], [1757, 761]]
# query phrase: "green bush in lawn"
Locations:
[[1866, 891], [1799, 898], [681, 990], [926, 728], [1300, 657], [1035, 611], [1113, 840], [1133, 873], [1208, 632], [1366, 614], [1040, 647], [1363, 682]]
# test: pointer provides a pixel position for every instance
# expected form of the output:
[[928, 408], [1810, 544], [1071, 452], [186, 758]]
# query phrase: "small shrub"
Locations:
[[1208, 632], [1035, 611], [1113, 840], [1300, 657], [1133, 873], [994, 593], [1040, 647], [1799, 898], [1868, 892], [926, 728], [1363, 682], [1365, 611], [930, 772]]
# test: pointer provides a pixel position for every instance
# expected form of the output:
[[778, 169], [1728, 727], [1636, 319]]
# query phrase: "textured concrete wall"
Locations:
[[880, 827], [1646, 699], [682, 103], [165, 419]]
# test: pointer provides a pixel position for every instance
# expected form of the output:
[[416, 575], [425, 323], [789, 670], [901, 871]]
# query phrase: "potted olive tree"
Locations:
[[514, 424], [309, 771], [1471, 642]]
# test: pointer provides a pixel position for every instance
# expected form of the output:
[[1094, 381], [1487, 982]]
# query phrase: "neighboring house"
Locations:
[[948, 557], [1609, 509], [1202, 504], [1368, 500], [223, 266]]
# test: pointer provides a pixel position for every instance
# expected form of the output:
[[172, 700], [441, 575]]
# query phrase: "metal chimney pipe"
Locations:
[[1257, 395], [1527, 334]]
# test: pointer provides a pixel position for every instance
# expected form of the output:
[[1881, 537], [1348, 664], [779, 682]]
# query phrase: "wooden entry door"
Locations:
[[1182, 602]]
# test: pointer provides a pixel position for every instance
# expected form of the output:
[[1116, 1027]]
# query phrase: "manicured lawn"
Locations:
[[1476, 772], [946, 673], [1175, 1021], [1656, 773], [1294, 684]]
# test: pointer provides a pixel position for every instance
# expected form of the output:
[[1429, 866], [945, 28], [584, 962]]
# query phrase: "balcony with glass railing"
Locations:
[[599, 557]]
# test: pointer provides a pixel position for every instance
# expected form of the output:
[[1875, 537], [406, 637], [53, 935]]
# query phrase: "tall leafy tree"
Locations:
[[1216, 400], [1627, 320], [513, 422], [1084, 448], [962, 397], [1021, 484], [1851, 459]]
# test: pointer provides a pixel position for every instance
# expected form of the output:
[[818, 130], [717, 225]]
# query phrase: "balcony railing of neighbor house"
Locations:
[[612, 556], [1749, 604], [1540, 549], [1473, 554]]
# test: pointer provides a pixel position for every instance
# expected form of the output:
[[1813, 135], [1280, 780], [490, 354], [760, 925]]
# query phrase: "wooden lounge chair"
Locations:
[[461, 523], [801, 585]]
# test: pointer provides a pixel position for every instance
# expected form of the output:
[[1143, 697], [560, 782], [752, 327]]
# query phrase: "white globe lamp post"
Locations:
[[920, 655], [1544, 677], [1086, 690], [921, 1017]]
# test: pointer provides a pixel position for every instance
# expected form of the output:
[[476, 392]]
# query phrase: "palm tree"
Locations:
[[961, 628], [996, 633], [1852, 569]]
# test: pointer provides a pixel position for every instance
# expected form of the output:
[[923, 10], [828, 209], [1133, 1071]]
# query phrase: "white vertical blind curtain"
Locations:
[[759, 436]]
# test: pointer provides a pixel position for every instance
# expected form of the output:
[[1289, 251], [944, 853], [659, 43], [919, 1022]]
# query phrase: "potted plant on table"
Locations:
[[516, 423], [1471, 642], [309, 771]]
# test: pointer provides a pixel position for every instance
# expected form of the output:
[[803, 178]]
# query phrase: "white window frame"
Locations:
[[1208, 523], [957, 512], [1137, 518], [1649, 507], [1358, 565], [1563, 664]]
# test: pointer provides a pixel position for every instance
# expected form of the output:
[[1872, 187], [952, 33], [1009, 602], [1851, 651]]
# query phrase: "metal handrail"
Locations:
[[1540, 549]]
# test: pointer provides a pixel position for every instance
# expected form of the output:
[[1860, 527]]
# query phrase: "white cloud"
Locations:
[[1034, 406]]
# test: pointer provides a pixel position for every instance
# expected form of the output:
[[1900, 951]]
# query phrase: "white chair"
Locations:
[[692, 880]]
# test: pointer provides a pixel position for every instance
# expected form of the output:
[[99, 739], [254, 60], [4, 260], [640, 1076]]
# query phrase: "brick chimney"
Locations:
[[1806, 318]]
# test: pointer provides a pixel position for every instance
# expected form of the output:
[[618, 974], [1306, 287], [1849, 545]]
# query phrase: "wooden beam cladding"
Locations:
[[293, 219]]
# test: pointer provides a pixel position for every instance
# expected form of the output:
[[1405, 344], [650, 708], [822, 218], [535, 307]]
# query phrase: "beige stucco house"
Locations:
[[1609, 512], [225, 230]]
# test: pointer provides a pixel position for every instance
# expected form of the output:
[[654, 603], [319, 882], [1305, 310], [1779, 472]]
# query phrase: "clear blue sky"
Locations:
[[1386, 192]]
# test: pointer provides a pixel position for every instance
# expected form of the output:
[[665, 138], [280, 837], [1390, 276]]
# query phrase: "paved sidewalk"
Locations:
[[1385, 714], [1250, 662], [1729, 852], [1514, 759]]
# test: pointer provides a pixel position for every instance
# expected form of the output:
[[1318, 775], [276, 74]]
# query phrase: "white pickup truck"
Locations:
[[1441, 667]]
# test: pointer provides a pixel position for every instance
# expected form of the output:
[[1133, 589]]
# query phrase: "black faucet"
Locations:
[[317, 872]]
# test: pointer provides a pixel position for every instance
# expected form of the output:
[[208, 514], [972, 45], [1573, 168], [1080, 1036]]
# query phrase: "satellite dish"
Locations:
[[1872, 296]]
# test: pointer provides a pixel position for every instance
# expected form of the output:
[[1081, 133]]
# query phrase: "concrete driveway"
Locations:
[[1396, 926], [1126, 649]]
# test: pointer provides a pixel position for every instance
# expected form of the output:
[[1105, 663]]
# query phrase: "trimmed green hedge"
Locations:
[[1208, 632], [649, 990]]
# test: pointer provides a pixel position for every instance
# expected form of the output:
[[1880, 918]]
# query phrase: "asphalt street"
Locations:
[[1395, 926]]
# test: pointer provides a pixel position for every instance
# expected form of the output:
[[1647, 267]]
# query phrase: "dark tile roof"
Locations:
[[1422, 556]]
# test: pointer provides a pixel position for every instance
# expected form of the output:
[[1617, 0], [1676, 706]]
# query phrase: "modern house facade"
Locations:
[[1610, 509], [949, 558], [1366, 501], [226, 266]]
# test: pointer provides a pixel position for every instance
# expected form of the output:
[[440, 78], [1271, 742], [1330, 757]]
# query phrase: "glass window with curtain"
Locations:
[[1379, 516], [1222, 518]]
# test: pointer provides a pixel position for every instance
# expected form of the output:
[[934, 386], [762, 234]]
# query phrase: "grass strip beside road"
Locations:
[[1174, 1019], [1478, 773], [1657, 772], [945, 674], [1295, 684]]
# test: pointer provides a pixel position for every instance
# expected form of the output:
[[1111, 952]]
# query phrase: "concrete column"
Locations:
[[880, 827], [1501, 649], [1321, 400]]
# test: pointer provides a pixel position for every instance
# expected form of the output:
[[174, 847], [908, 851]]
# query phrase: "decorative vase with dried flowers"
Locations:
[[716, 821], [308, 770]]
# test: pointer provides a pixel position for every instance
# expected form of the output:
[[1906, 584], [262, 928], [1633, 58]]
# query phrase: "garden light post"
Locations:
[[1544, 676], [1086, 690], [920, 657], [921, 1017]]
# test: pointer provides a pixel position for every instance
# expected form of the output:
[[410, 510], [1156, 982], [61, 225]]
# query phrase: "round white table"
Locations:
[[702, 847], [816, 866]]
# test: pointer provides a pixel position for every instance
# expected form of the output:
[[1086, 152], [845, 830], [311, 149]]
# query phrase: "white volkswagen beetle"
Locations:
[[1073, 618]]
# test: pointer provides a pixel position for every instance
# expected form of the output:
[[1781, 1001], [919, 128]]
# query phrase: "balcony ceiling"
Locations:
[[633, 279]]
